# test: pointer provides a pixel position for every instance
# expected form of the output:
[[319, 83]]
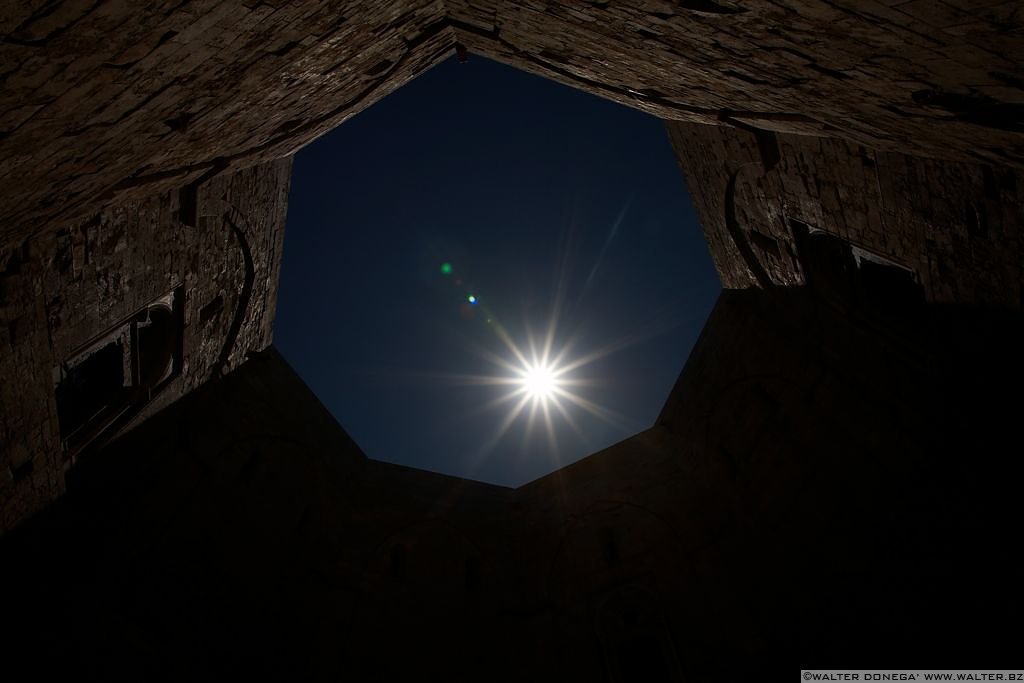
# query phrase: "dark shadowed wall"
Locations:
[[816, 488]]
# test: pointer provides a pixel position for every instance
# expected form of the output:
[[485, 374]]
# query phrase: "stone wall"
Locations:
[[938, 79], [105, 101], [108, 100], [821, 480], [955, 225], [815, 486], [61, 289]]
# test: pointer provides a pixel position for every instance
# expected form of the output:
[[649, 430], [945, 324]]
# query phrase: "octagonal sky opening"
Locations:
[[491, 275]]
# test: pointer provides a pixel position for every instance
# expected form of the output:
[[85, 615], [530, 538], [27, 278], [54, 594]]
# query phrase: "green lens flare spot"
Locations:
[[471, 299], [446, 269]]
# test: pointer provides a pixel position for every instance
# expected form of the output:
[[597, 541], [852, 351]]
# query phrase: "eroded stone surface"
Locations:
[[59, 290], [955, 224], [939, 79], [104, 101], [821, 479]]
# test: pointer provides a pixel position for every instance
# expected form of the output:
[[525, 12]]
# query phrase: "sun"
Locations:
[[539, 382], [542, 384]]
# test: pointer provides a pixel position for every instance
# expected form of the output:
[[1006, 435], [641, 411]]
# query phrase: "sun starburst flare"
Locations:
[[544, 385], [539, 381], [545, 377]]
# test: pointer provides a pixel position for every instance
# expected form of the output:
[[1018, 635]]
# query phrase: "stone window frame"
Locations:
[[96, 429]]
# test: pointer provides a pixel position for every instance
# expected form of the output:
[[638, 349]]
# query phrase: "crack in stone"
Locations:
[[126, 114], [55, 33], [127, 65]]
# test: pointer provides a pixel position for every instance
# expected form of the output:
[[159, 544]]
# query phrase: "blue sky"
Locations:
[[564, 217]]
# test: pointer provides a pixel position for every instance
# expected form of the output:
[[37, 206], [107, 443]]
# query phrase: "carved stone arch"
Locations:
[[739, 235], [767, 251]]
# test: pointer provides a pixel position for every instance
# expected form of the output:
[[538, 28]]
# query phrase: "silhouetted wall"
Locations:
[[820, 487], [833, 475]]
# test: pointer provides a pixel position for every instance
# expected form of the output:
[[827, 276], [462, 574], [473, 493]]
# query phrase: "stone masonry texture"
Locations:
[[61, 289], [127, 125], [111, 99], [826, 476], [955, 224]]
